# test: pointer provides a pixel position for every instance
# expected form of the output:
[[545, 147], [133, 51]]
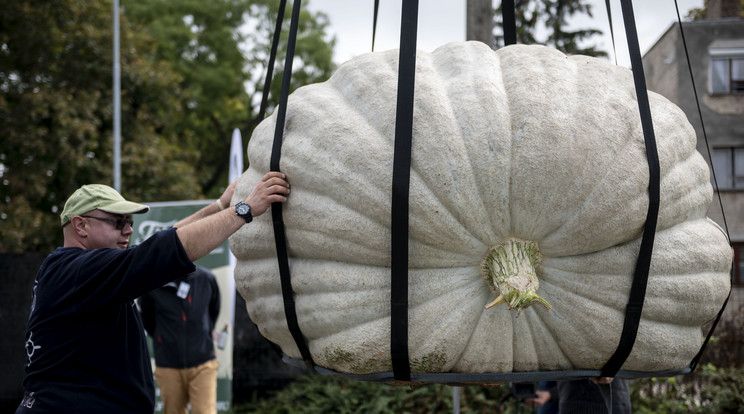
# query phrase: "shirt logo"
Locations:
[[31, 348], [33, 299], [28, 400]]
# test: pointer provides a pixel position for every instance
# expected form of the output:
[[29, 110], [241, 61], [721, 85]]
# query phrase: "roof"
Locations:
[[727, 47]]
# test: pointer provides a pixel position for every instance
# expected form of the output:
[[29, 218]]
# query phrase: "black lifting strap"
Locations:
[[276, 208], [374, 23], [272, 59], [612, 31], [509, 22], [265, 100], [640, 276], [399, 204]]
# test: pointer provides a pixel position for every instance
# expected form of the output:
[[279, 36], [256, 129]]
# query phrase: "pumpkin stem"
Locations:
[[510, 271], [542, 302], [496, 301]]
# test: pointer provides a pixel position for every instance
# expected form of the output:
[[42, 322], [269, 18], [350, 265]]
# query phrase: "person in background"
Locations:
[[585, 397], [85, 343], [550, 406], [180, 318]]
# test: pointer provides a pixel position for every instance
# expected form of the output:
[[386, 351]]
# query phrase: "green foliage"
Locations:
[[56, 110], [552, 16], [333, 394], [726, 347], [557, 13], [220, 49], [191, 72], [700, 13], [708, 390], [660, 395]]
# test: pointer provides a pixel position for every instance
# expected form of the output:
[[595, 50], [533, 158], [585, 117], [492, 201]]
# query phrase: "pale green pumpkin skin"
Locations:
[[520, 143]]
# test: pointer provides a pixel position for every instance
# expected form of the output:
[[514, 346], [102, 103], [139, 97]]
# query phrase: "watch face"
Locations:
[[243, 209]]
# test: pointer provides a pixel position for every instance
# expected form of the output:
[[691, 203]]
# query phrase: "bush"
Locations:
[[333, 394], [708, 390], [717, 386]]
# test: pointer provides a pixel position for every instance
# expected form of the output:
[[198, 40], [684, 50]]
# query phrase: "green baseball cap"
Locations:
[[98, 197]]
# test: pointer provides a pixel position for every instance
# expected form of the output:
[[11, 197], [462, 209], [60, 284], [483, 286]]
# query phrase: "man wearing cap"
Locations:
[[85, 343]]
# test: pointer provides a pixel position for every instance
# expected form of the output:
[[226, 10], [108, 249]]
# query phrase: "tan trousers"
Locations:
[[197, 385]]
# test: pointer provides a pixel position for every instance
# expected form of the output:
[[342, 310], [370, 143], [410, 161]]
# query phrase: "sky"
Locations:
[[443, 21]]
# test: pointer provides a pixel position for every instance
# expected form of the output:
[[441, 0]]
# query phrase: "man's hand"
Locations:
[[227, 196], [542, 398], [203, 231], [272, 188]]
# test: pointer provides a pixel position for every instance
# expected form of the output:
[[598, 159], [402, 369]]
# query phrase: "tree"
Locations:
[[480, 21], [557, 13], [551, 16], [699, 13], [526, 13], [220, 49], [56, 104], [702, 13], [55, 116]]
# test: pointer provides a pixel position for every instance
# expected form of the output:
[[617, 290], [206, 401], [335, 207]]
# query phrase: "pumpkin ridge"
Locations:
[[590, 196], [470, 58], [509, 165], [570, 132], [523, 346], [545, 319], [415, 236], [599, 191], [362, 114], [586, 327], [440, 332], [577, 288], [695, 199], [437, 63], [476, 322], [479, 183]]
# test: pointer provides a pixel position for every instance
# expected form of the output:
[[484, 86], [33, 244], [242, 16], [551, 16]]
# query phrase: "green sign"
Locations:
[[163, 215]]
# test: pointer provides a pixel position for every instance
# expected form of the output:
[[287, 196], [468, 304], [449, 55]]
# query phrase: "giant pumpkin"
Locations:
[[528, 186]]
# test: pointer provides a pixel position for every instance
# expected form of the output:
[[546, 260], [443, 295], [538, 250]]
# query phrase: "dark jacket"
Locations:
[[85, 345], [584, 396], [181, 325]]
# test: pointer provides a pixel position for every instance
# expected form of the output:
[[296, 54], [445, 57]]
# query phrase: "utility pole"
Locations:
[[480, 21], [117, 102]]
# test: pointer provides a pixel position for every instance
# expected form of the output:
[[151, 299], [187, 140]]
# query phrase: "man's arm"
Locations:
[[201, 235], [222, 203]]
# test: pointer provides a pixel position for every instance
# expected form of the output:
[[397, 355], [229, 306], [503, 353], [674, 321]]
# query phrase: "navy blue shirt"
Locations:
[[85, 343]]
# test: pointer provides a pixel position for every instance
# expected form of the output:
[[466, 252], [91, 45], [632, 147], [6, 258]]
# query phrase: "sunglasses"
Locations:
[[119, 223]]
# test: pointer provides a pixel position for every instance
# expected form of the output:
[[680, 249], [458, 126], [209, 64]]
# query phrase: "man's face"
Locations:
[[102, 230]]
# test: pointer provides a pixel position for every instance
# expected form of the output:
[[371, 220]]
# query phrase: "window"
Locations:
[[727, 76], [728, 165], [726, 67]]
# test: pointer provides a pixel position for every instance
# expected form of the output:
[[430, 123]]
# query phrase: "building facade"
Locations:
[[715, 48]]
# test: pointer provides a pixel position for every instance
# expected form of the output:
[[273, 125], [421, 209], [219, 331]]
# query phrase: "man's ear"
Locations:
[[78, 226]]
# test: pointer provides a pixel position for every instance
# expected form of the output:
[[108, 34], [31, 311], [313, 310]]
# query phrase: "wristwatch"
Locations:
[[244, 210]]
